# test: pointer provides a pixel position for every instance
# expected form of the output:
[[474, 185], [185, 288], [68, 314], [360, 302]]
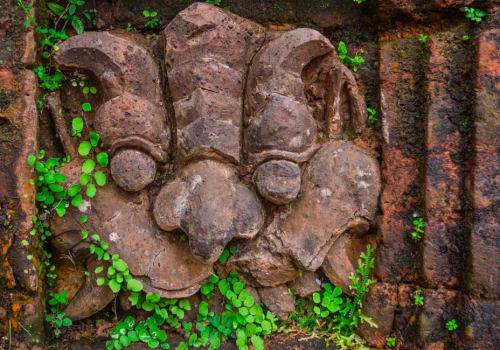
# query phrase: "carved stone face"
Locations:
[[257, 150]]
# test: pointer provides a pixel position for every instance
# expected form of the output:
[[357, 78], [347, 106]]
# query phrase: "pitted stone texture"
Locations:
[[280, 122], [210, 204], [207, 53], [481, 319], [120, 63], [163, 262], [278, 300], [306, 284], [131, 121], [379, 304], [340, 193], [259, 266], [342, 259], [278, 181], [133, 170]]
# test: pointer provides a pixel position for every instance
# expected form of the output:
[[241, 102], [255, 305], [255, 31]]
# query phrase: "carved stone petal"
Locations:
[[208, 202], [341, 186], [278, 66], [120, 63], [207, 53], [284, 129], [163, 262], [131, 121]]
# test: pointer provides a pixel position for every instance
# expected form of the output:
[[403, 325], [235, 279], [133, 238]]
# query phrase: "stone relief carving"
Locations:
[[257, 148]]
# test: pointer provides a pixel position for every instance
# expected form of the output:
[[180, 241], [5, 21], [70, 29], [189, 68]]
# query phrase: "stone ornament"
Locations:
[[257, 150]]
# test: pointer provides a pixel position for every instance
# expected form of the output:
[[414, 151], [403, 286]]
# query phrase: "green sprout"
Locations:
[[422, 38], [418, 298], [152, 22], [451, 325], [473, 14], [390, 342], [418, 227], [371, 115]]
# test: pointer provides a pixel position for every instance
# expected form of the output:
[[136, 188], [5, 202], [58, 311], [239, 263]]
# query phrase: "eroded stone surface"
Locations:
[[380, 304], [90, 298], [133, 170], [306, 284], [260, 266], [131, 121], [280, 121], [207, 52], [278, 181], [342, 259], [208, 202], [278, 300], [341, 187]]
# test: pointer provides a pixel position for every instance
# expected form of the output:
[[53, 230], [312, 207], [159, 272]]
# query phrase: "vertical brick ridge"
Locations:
[[449, 82], [403, 103], [484, 273]]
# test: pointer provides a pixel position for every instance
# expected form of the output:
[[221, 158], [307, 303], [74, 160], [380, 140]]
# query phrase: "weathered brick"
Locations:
[[401, 78], [485, 233], [449, 93], [481, 320], [379, 304], [439, 308]]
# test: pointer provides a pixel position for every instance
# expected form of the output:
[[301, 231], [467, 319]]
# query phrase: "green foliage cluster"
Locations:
[[473, 14], [42, 232], [57, 319], [217, 3], [242, 319], [48, 81], [225, 254], [418, 227], [127, 332], [390, 342], [81, 83], [68, 14], [354, 62], [331, 311], [50, 194], [117, 275]]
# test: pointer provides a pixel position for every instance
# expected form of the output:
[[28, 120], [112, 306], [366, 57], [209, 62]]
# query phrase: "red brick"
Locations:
[[439, 307], [485, 233], [401, 79], [444, 238], [379, 304]]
